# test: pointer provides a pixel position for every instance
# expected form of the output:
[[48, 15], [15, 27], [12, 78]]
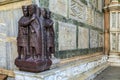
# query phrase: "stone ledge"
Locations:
[[114, 64], [114, 59], [14, 5], [90, 75], [8, 1], [3, 77], [65, 71], [7, 72], [84, 57]]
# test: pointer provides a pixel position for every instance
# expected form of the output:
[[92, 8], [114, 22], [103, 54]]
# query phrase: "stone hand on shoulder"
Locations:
[[33, 18]]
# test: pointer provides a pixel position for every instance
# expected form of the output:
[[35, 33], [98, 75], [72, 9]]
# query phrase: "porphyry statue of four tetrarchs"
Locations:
[[35, 41]]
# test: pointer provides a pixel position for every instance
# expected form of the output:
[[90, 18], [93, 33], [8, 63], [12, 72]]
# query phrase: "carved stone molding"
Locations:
[[2, 2]]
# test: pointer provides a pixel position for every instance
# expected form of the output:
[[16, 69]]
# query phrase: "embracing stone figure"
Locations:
[[49, 32], [35, 39], [22, 39]]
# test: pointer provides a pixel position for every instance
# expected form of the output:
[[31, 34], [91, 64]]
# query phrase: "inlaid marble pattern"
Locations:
[[59, 6], [77, 10], [89, 17]]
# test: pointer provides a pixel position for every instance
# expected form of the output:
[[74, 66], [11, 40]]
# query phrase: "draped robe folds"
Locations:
[[22, 39], [35, 36], [49, 33]]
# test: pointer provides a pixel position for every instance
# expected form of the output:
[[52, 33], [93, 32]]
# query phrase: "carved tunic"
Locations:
[[22, 38], [49, 36], [35, 36]]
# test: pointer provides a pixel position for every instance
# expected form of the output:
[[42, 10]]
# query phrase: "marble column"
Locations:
[[106, 30]]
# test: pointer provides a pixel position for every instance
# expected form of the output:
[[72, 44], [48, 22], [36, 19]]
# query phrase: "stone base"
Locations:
[[80, 69], [114, 59], [33, 65], [3, 77]]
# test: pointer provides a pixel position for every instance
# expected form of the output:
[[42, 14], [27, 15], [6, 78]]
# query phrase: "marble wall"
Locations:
[[80, 25], [3, 45], [9, 16], [77, 10], [59, 7]]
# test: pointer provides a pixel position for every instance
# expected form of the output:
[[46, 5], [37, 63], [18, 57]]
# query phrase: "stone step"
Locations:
[[3, 77]]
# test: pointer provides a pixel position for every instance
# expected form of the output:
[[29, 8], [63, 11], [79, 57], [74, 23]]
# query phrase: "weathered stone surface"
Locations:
[[93, 39], [77, 10], [100, 6], [101, 40], [3, 46], [94, 3], [3, 77], [7, 1], [83, 37], [90, 16], [113, 37], [98, 21], [89, 12], [93, 18], [65, 72], [110, 73], [13, 5], [9, 15], [7, 18], [67, 36], [59, 6]]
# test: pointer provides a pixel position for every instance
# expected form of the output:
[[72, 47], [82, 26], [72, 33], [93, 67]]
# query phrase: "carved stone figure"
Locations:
[[49, 32], [35, 39], [35, 33], [22, 39]]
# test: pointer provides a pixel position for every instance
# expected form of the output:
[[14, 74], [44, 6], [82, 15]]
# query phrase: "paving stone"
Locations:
[[111, 73]]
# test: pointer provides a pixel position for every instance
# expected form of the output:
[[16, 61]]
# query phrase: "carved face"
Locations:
[[25, 10], [48, 14], [44, 13], [31, 10]]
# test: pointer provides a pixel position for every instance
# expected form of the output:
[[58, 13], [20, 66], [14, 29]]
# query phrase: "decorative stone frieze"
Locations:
[[77, 10]]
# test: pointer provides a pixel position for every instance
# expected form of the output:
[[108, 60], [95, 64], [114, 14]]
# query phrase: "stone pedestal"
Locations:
[[114, 59], [3, 77], [75, 70], [33, 65]]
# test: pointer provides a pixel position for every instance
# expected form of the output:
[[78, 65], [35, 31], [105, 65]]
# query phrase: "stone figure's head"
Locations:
[[38, 11], [48, 14], [32, 9], [44, 12], [25, 10]]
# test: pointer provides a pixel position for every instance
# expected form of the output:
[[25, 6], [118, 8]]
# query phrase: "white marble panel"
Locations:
[[83, 38], [67, 36], [59, 6], [93, 39]]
